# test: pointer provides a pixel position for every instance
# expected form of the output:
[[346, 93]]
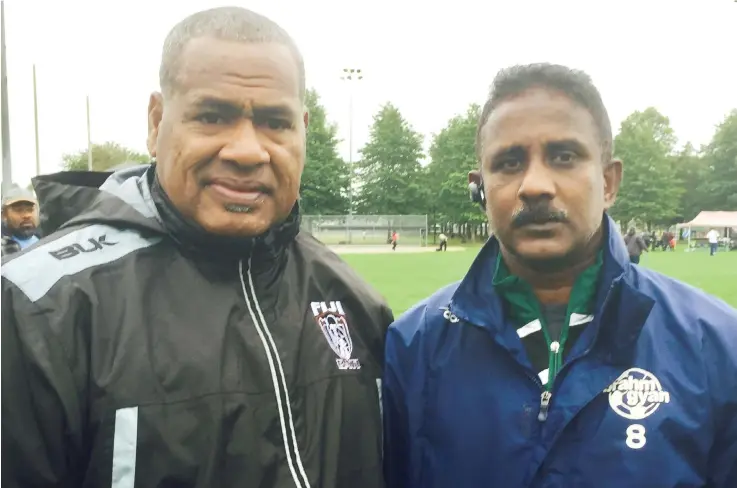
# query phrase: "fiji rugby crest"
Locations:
[[331, 319]]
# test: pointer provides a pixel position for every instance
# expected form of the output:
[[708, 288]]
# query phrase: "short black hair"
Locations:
[[228, 24], [575, 84]]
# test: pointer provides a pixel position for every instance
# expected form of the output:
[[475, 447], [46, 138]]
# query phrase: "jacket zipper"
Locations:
[[546, 394], [286, 421]]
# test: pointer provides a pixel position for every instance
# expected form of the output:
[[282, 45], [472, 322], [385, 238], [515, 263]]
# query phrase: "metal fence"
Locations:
[[367, 229]]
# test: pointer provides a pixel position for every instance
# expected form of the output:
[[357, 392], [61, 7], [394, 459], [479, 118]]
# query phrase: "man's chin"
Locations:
[[26, 232], [235, 224], [543, 255]]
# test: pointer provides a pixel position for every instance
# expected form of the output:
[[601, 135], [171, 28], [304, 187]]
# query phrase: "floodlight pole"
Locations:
[[350, 75], [35, 123], [89, 139], [7, 165]]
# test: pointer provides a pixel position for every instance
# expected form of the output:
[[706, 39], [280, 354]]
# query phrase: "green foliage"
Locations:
[[663, 187], [453, 155], [720, 187], [692, 170], [651, 190], [325, 180], [104, 157], [390, 174]]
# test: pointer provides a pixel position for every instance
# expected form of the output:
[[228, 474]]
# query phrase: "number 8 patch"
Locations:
[[636, 436]]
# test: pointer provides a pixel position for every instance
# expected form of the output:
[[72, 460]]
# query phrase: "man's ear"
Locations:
[[306, 118], [612, 180], [155, 114]]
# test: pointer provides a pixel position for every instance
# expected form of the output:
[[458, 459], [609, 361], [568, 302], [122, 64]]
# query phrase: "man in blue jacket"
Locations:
[[556, 362]]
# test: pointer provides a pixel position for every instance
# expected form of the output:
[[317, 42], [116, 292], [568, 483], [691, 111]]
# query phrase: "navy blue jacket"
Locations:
[[647, 397]]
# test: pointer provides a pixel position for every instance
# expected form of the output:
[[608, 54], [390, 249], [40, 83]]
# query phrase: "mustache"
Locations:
[[538, 214]]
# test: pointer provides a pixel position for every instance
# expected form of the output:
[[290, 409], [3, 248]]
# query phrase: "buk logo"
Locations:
[[91, 245], [331, 319]]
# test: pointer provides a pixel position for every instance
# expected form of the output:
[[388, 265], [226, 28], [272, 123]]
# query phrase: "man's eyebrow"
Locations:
[[218, 105], [235, 109], [566, 145], [517, 151], [276, 110]]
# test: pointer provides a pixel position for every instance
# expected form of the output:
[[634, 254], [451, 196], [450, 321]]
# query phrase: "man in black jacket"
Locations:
[[177, 329]]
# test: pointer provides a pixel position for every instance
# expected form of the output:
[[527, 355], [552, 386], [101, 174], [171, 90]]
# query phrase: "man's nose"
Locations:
[[538, 182], [245, 146]]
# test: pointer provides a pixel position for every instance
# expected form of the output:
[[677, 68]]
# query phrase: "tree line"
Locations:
[[664, 183]]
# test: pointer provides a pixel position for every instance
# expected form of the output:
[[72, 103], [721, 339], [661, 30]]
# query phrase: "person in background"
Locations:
[[180, 330], [636, 245], [20, 220], [443, 246], [713, 237], [556, 362], [395, 240], [667, 241]]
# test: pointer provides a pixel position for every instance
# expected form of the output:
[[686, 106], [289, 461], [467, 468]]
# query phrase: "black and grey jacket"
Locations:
[[130, 361]]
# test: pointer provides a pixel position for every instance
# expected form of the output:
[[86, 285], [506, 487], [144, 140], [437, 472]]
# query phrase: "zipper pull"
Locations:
[[552, 373], [544, 404]]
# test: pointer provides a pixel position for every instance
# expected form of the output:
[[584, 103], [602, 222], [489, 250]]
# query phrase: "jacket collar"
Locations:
[[194, 239], [125, 199], [476, 301]]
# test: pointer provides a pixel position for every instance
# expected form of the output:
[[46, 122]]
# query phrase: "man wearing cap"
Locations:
[[19, 221]]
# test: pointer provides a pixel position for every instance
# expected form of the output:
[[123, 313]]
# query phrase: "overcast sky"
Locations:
[[429, 58]]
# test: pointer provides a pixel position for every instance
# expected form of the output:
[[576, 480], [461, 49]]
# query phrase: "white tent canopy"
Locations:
[[717, 219], [713, 220]]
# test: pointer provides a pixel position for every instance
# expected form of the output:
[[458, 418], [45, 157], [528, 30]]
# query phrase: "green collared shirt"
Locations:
[[547, 331]]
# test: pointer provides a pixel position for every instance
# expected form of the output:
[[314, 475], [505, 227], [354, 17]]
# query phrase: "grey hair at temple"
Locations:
[[228, 24]]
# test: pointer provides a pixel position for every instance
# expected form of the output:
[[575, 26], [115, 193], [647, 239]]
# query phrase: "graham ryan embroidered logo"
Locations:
[[636, 394], [330, 316]]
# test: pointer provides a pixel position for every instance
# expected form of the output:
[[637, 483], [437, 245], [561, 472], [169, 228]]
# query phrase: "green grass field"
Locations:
[[405, 279]]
